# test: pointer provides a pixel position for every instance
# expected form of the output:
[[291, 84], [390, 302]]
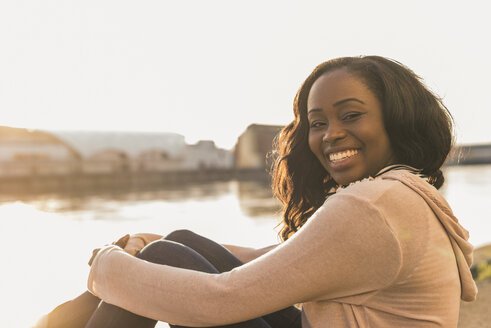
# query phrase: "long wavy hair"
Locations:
[[419, 126]]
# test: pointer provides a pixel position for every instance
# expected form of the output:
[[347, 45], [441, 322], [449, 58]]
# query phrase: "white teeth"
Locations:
[[342, 155]]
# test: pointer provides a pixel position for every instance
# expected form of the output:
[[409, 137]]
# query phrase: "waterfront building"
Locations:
[[254, 146], [204, 155], [106, 162], [470, 154], [89, 143], [117, 152], [156, 160], [25, 153]]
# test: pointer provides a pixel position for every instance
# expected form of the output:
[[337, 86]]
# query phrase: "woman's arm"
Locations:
[[247, 254], [344, 249]]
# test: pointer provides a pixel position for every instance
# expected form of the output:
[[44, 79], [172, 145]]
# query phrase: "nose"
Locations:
[[333, 133]]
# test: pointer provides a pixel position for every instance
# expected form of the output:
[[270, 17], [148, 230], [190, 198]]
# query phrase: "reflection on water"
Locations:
[[82, 199], [468, 191], [53, 233], [255, 197], [48, 238]]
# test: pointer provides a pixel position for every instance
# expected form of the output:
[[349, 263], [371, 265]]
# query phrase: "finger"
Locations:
[[122, 241], [94, 253], [131, 251]]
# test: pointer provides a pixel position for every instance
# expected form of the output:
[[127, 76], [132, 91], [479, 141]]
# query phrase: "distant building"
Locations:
[[26, 153], [470, 154], [107, 161], [254, 145], [116, 152], [156, 160], [88, 143], [205, 155], [30, 153]]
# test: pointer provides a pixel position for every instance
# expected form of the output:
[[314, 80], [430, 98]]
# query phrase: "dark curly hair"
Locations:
[[419, 126]]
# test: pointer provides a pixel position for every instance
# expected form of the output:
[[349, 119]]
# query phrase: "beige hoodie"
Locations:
[[384, 252], [457, 234]]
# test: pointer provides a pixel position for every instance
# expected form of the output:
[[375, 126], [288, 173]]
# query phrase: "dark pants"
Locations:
[[182, 249]]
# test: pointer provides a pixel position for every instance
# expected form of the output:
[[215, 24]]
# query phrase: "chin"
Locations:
[[347, 178]]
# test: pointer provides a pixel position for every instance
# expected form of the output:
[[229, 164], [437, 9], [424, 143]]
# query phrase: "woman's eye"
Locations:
[[351, 116], [316, 124]]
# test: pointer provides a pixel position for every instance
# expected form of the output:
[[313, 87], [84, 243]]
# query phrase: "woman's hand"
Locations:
[[121, 242], [139, 240], [131, 244], [135, 244]]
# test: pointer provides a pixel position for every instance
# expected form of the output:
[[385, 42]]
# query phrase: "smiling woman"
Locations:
[[368, 239], [379, 109], [347, 133]]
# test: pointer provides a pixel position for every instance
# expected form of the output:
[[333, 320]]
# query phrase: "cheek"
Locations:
[[313, 143], [382, 150], [389, 153]]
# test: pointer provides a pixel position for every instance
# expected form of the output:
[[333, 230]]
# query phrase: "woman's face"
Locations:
[[347, 133]]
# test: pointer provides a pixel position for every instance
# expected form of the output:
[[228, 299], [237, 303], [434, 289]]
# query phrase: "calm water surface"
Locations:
[[47, 240]]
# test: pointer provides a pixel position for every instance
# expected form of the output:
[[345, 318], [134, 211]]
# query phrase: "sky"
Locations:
[[208, 69]]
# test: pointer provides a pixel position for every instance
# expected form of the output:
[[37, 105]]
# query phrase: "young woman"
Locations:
[[368, 239]]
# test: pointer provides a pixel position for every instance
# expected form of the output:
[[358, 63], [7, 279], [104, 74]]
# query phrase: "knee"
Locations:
[[180, 235], [159, 250], [174, 254]]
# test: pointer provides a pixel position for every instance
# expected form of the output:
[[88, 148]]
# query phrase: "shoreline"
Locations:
[[476, 314]]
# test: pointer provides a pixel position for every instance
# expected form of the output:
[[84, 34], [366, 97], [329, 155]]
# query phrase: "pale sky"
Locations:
[[207, 69]]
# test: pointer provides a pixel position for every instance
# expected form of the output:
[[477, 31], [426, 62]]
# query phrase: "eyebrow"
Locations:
[[337, 103]]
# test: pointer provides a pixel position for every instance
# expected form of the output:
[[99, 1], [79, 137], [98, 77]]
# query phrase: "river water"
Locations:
[[47, 239]]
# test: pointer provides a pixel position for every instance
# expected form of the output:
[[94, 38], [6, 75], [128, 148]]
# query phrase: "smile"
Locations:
[[339, 156]]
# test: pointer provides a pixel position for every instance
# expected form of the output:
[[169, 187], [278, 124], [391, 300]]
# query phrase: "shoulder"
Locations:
[[400, 207], [364, 202], [387, 203], [372, 189], [352, 225], [387, 195]]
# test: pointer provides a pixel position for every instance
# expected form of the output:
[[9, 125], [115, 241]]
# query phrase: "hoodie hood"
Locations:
[[457, 234]]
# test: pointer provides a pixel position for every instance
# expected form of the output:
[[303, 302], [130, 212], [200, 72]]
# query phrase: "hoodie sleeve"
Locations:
[[345, 248]]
